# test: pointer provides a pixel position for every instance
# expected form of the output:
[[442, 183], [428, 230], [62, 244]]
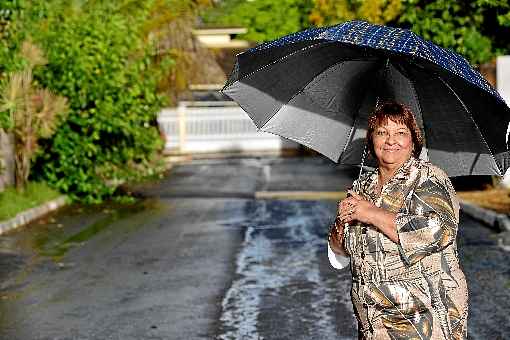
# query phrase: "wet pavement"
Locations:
[[200, 258]]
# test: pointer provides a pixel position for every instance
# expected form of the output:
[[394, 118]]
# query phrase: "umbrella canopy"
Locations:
[[318, 87]]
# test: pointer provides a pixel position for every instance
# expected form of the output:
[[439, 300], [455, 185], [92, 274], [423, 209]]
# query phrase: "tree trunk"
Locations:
[[7, 160]]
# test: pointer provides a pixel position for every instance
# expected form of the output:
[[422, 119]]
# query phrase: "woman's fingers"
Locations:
[[353, 208], [354, 195], [347, 214], [348, 207]]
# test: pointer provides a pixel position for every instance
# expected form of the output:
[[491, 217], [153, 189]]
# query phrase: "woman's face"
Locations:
[[393, 143]]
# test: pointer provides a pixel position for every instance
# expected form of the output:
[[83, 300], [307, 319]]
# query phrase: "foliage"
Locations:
[[9, 26], [13, 202], [475, 29], [98, 58], [102, 56], [193, 61], [331, 12], [34, 112], [264, 19]]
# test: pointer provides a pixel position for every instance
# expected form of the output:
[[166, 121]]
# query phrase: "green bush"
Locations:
[[100, 59]]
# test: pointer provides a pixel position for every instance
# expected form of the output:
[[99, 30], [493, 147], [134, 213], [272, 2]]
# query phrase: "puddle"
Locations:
[[279, 287], [56, 234], [57, 245]]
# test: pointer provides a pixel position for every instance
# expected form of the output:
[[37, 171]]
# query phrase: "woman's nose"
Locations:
[[391, 138]]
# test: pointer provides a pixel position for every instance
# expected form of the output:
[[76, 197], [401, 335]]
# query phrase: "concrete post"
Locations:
[[181, 112]]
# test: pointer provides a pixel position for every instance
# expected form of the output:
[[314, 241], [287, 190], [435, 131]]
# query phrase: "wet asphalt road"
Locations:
[[200, 258]]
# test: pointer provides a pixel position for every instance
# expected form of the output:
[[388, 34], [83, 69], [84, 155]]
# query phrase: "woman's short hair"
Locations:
[[398, 113]]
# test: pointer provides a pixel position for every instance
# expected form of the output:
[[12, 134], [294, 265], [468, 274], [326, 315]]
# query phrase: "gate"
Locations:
[[197, 127]]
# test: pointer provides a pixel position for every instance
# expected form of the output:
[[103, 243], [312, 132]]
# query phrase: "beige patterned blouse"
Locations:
[[414, 289]]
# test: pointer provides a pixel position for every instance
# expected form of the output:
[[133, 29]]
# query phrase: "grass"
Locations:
[[496, 199], [13, 202]]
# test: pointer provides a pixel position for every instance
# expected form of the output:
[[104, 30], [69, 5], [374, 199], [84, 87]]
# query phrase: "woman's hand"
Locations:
[[356, 208]]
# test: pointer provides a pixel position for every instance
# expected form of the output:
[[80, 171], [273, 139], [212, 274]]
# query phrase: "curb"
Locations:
[[32, 214], [496, 221], [301, 195]]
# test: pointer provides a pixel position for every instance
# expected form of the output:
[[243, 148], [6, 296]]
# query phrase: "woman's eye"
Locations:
[[381, 133]]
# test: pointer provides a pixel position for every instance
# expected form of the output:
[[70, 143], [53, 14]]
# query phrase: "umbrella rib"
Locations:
[[471, 117], [349, 136]]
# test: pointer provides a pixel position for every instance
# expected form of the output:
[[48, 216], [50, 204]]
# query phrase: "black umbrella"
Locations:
[[318, 87]]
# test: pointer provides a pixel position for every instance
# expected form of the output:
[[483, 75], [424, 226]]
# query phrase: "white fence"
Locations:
[[503, 77], [215, 127]]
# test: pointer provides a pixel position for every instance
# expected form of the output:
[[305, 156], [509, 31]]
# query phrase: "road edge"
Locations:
[[496, 221], [32, 214]]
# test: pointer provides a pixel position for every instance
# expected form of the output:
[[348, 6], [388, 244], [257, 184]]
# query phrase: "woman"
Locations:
[[400, 234]]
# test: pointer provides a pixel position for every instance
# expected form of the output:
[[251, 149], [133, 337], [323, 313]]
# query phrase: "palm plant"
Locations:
[[34, 112]]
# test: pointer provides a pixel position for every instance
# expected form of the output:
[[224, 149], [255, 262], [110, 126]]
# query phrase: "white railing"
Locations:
[[503, 77], [215, 127]]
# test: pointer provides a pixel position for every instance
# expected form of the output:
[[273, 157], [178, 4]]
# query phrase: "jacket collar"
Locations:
[[405, 169], [402, 173]]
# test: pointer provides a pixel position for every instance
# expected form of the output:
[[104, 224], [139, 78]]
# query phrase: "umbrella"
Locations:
[[318, 87]]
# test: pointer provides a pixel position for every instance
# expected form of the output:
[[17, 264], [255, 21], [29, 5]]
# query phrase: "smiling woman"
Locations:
[[399, 228]]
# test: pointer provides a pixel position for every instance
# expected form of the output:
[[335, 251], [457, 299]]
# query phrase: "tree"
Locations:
[[331, 12], [265, 19], [478, 30], [172, 32]]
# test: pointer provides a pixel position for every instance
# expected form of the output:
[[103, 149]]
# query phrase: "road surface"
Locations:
[[201, 258]]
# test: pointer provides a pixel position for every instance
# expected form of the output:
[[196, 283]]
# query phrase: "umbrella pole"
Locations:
[[363, 156], [379, 85]]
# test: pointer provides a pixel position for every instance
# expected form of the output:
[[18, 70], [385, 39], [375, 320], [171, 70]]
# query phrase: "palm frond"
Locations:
[[33, 54]]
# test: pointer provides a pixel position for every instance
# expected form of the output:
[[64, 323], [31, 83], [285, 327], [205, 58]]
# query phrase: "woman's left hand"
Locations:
[[358, 209]]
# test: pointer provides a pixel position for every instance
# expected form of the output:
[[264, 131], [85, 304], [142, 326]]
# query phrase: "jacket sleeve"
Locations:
[[428, 222], [337, 261], [341, 261]]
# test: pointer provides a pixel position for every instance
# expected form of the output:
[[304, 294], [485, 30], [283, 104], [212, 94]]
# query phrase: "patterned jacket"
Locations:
[[414, 288]]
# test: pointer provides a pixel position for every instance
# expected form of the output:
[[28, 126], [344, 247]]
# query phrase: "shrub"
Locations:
[[100, 59]]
